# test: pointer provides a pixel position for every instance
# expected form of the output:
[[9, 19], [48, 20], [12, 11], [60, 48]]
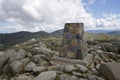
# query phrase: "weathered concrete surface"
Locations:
[[111, 71], [73, 44]]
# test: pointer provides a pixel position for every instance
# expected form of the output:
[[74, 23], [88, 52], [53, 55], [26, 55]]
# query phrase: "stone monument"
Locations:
[[73, 44]]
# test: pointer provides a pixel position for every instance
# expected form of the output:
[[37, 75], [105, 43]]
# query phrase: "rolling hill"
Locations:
[[23, 36], [20, 37]]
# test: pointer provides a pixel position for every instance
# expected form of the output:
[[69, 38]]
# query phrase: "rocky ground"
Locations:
[[42, 63]]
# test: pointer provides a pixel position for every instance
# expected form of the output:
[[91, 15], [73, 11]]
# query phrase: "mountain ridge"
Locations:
[[23, 36]]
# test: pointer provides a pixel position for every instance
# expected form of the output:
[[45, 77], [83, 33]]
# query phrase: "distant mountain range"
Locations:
[[102, 31], [19, 37], [23, 36], [114, 32], [57, 33]]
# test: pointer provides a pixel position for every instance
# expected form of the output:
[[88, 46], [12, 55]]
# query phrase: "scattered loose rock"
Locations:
[[82, 68], [38, 69], [88, 60], [16, 67], [37, 58], [42, 64], [23, 77], [48, 75], [29, 67], [111, 71], [69, 68], [76, 73], [65, 77], [25, 60]]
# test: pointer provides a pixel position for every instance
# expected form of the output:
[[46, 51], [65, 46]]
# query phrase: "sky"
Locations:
[[51, 15]]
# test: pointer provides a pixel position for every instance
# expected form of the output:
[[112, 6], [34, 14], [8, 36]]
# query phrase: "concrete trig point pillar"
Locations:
[[73, 44]]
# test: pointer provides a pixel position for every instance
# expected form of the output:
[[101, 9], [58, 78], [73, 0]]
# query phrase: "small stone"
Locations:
[[25, 61], [99, 51], [29, 55], [3, 60], [53, 67], [88, 60], [3, 77], [30, 66], [16, 55], [16, 67], [74, 78], [111, 60], [69, 68], [60, 67], [94, 71], [97, 57], [94, 77], [65, 77], [48, 75], [82, 68], [38, 69], [6, 69], [104, 58], [112, 55], [118, 56], [43, 63], [44, 57], [68, 77], [100, 78], [91, 77], [96, 62], [23, 77], [98, 66], [83, 79], [76, 73], [37, 58]]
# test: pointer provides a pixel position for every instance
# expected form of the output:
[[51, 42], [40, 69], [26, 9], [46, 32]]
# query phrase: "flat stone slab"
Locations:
[[60, 60], [111, 71]]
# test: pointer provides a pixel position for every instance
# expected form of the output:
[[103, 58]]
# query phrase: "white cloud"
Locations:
[[91, 2], [36, 15], [109, 20]]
